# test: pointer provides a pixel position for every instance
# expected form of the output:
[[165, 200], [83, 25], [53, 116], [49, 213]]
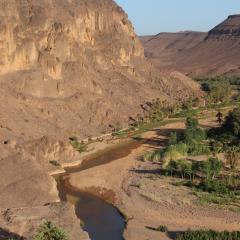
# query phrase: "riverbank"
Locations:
[[148, 199]]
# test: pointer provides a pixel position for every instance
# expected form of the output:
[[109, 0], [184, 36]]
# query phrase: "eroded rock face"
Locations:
[[52, 39], [229, 29], [73, 67]]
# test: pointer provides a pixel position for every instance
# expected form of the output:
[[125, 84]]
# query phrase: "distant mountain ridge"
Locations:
[[197, 53]]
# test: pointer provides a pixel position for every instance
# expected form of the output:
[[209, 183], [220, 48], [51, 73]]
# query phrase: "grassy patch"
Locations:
[[79, 146]]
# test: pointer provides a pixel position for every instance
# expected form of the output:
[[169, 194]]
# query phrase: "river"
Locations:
[[100, 219]]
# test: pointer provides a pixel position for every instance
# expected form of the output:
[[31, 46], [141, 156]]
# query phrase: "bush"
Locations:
[[162, 228], [232, 122], [211, 168], [180, 167], [173, 139], [208, 235], [48, 231], [213, 186], [79, 146], [152, 156]]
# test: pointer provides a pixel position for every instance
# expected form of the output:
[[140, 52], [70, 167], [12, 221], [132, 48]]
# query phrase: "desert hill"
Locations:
[[67, 68], [198, 54]]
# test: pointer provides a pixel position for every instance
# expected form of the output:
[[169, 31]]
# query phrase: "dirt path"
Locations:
[[150, 200]]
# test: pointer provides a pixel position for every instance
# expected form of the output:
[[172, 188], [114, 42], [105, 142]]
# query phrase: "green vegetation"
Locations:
[[161, 228], [208, 235], [48, 231], [220, 89], [210, 183], [192, 141], [79, 146], [123, 133]]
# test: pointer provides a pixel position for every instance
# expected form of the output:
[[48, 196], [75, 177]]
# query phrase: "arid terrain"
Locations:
[[197, 53], [66, 70], [73, 78]]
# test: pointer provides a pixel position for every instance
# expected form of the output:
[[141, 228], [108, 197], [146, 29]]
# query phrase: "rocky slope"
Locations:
[[67, 68], [198, 54], [164, 46]]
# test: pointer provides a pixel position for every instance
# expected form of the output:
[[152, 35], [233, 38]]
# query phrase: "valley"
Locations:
[[107, 135]]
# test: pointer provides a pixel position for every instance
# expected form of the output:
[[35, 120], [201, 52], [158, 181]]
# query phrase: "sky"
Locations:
[[154, 16]]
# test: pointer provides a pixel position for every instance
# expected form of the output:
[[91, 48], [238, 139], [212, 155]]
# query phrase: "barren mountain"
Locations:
[[198, 54], [66, 68]]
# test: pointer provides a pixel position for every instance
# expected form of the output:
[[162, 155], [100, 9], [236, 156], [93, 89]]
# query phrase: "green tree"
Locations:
[[232, 122], [212, 168], [48, 231]]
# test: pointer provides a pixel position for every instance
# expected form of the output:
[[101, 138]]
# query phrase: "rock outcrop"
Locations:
[[229, 29], [23, 222]]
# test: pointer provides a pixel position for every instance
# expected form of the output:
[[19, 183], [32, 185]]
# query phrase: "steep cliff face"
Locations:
[[52, 40]]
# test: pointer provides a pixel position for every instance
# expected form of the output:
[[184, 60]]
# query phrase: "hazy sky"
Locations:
[[154, 16]]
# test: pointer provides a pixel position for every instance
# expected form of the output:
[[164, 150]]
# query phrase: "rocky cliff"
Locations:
[[73, 67], [67, 68]]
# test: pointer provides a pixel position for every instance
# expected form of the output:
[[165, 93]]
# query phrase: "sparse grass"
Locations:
[[226, 201], [124, 133], [79, 146]]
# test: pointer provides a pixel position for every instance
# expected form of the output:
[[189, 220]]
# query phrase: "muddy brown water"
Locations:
[[100, 219]]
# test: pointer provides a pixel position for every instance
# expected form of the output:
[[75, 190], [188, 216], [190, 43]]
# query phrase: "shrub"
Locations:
[[162, 228], [213, 186], [173, 139], [232, 122], [211, 168], [182, 167], [152, 156], [208, 235], [79, 146], [48, 231]]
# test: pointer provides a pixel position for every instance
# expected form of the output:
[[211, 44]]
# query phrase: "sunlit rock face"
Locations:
[[52, 39], [74, 67]]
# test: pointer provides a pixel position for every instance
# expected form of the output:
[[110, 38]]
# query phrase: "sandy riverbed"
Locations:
[[147, 198]]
